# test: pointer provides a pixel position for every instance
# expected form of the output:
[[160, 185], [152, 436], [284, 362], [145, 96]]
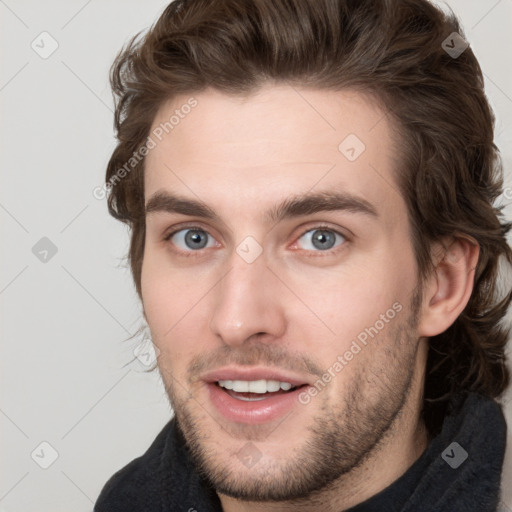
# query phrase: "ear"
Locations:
[[448, 289]]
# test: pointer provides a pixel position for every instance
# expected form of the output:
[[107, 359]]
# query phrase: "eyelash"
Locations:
[[321, 227]]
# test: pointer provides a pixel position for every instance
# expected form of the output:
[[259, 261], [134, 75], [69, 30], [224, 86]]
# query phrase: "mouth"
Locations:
[[253, 396], [256, 390]]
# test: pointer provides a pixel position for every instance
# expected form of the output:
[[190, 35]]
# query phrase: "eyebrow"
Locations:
[[295, 206]]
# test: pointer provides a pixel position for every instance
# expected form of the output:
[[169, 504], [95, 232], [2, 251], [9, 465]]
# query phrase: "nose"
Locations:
[[247, 303]]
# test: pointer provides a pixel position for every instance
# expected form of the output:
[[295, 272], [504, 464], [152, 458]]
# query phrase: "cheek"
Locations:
[[363, 303], [176, 310], [164, 301], [155, 296], [168, 293], [349, 298]]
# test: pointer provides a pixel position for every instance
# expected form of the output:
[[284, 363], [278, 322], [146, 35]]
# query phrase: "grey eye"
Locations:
[[321, 239], [191, 239]]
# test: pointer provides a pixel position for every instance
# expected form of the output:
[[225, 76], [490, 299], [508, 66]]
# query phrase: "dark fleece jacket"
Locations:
[[460, 471]]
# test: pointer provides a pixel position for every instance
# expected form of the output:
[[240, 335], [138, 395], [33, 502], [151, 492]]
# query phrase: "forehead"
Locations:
[[251, 150]]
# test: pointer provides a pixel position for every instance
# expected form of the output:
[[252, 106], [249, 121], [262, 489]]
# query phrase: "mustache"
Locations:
[[263, 354]]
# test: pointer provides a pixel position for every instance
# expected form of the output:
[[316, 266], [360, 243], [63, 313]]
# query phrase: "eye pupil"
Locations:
[[196, 239], [323, 239]]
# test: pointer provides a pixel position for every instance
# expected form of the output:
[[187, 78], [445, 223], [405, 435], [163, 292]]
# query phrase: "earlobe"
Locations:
[[449, 287]]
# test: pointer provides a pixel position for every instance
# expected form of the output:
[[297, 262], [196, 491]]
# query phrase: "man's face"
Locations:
[[272, 293]]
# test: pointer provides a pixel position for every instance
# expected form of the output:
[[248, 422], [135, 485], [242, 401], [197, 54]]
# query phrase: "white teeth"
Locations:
[[241, 386], [258, 386], [255, 386], [228, 384], [273, 385]]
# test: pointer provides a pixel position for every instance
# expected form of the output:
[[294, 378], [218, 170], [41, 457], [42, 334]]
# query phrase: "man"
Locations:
[[310, 189]]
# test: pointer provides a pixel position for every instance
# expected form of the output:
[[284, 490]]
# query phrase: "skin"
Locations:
[[295, 307]]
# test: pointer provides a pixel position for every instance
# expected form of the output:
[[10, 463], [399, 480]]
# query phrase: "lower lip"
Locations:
[[257, 412]]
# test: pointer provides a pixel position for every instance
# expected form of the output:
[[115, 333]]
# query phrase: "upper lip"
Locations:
[[253, 373]]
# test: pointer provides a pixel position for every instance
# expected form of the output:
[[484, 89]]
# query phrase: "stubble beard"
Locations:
[[337, 440]]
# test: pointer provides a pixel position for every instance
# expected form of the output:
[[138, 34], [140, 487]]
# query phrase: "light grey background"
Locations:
[[66, 376]]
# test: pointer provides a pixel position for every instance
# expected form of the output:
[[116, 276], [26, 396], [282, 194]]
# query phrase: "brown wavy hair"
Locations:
[[450, 172]]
